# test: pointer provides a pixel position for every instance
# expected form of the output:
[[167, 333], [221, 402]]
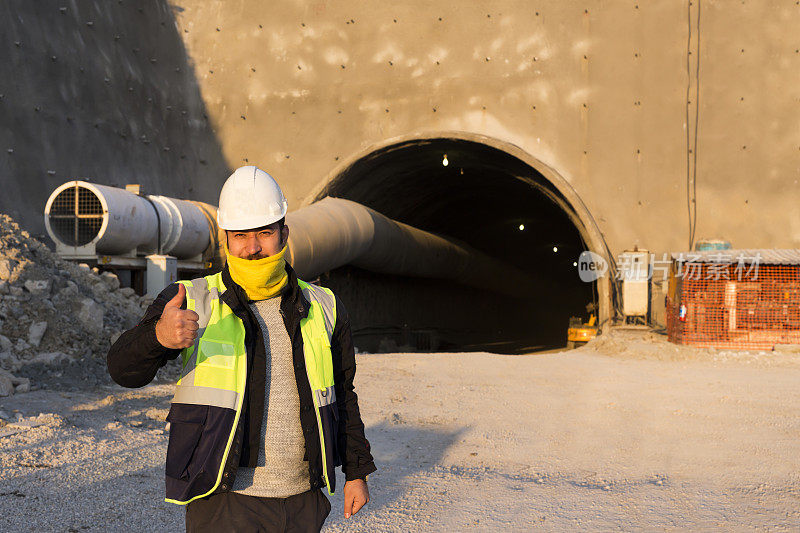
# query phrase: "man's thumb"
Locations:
[[348, 506], [177, 301]]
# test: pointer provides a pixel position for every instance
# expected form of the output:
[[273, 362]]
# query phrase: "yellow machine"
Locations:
[[579, 333]]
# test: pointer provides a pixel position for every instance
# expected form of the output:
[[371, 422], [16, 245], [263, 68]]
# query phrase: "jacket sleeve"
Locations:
[[136, 356], [354, 448]]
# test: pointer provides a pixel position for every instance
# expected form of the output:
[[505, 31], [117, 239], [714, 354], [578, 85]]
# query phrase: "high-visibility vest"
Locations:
[[214, 375]]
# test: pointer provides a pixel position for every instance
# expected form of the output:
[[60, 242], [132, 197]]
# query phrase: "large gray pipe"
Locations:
[[335, 232], [85, 218]]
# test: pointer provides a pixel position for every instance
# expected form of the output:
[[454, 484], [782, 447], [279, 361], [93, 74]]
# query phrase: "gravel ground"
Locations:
[[655, 437]]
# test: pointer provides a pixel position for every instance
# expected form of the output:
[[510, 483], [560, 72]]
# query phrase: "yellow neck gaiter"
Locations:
[[260, 278]]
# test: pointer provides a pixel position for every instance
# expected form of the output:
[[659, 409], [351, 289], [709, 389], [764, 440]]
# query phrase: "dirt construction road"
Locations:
[[649, 439]]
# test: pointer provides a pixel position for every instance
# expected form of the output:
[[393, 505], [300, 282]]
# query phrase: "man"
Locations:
[[265, 407]]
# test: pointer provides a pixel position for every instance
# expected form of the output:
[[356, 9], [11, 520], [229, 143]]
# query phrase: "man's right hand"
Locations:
[[177, 328]]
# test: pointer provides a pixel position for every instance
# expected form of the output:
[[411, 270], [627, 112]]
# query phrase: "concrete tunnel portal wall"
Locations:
[[492, 196]]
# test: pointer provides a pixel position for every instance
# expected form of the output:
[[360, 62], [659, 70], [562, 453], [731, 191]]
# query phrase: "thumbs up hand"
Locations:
[[177, 328]]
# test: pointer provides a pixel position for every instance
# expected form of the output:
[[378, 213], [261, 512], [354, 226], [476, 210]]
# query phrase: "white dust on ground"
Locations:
[[655, 437]]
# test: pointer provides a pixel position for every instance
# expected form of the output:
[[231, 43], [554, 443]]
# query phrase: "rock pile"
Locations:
[[56, 317]]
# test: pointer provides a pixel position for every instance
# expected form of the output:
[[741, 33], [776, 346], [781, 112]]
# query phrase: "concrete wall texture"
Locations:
[[103, 91], [603, 95]]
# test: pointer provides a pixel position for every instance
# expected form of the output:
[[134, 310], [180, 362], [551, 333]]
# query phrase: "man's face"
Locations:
[[257, 243]]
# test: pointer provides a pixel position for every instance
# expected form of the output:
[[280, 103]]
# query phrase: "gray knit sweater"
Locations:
[[281, 471]]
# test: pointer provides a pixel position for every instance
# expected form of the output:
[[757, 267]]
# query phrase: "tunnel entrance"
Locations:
[[492, 201]]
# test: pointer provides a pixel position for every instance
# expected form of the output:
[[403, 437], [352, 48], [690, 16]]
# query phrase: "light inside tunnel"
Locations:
[[474, 203]]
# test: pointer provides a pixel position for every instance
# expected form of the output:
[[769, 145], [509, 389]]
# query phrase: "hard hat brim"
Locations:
[[248, 223]]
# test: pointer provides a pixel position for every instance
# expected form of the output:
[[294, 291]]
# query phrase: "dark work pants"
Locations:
[[233, 512]]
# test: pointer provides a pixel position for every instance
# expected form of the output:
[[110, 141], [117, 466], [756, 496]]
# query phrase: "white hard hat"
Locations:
[[250, 198]]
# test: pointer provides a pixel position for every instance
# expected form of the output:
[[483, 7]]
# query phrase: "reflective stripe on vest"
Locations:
[[317, 330], [214, 368]]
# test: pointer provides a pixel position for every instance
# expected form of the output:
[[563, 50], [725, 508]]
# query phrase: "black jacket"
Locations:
[[137, 355]]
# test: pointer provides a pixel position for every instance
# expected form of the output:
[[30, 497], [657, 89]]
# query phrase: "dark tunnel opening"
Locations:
[[492, 201]]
